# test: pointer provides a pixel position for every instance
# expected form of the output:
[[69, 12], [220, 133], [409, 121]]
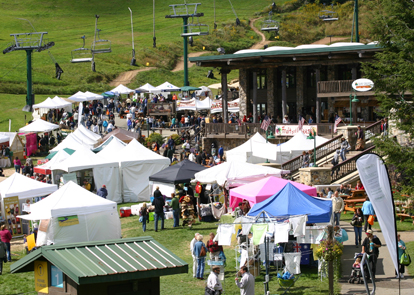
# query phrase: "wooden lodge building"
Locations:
[[305, 80]]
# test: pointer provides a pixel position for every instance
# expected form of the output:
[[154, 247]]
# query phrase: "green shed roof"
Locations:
[[107, 261]]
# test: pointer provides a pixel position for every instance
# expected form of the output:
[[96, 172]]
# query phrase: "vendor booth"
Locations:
[[89, 166], [231, 174], [260, 190], [136, 164], [182, 172], [72, 214], [146, 88], [58, 157], [15, 144], [39, 126], [110, 147], [16, 191], [121, 89]]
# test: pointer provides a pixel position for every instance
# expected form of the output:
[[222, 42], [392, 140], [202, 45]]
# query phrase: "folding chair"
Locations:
[[286, 284]]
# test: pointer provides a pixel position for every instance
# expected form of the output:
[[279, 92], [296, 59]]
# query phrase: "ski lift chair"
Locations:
[[270, 25], [81, 54], [101, 45], [328, 15], [195, 29]]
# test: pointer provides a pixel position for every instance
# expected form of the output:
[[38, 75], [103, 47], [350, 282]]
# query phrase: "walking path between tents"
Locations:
[[386, 283]]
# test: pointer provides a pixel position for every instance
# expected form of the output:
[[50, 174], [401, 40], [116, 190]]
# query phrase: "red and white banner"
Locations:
[[374, 176], [337, 121], [232, 106], [186, 105], [293, 129]]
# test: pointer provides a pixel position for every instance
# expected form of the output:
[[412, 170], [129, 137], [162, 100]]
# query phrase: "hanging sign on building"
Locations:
[[362, 84], [294, 129]]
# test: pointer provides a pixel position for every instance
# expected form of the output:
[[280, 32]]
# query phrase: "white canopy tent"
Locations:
[[121, 89], [146, 88], [204, 92], [88, 217], [244, 152], [167, 87], [104, 171], [4, 138], [111, 148], [204, 104], [71, 142], [137, 164], [290, 149], [24, 188], [79, 97], [93, 96], [89, 134], [57, 158], [230, 174], [39, 125], [62, 103], [46, 104]]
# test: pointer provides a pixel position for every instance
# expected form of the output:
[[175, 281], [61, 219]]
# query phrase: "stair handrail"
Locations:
[[294, 164], [347, 166]]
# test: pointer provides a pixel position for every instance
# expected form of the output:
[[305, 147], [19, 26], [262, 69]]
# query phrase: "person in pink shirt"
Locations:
[[17, 164], [6, 237]]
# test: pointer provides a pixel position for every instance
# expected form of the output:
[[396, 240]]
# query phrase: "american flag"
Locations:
[[265, 123], [301, 122], [337, 121]]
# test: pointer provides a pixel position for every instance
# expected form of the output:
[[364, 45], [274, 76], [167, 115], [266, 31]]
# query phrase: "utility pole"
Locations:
[[330, 263]]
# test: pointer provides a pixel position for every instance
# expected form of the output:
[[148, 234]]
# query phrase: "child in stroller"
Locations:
[[356, 274]]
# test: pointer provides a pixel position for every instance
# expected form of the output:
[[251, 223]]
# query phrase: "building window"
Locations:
[[290, 77], [344, 72], [261, 79], [311, 76]]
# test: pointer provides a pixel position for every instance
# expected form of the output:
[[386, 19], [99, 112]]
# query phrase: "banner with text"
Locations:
[[294, 129]]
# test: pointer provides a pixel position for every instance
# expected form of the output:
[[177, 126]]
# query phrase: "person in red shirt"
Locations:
[[359, 185], [214, 248], [6, 237]]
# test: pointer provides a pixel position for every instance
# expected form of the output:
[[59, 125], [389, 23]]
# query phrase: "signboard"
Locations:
[[41, 276], [69, 177], [56, 277], [12, 209], [44, 224], [186, 105], [294, 129], [362, 85], [68, 220], [232, 106]]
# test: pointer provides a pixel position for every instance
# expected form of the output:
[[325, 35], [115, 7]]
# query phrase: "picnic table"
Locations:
[[403, 216], [351, 204]]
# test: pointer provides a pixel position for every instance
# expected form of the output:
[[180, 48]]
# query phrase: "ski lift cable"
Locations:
[[14, 67], [234, 11]]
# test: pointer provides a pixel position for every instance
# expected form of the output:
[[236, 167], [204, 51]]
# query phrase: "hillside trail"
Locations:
[[180, 64], [263, 42], [126, 77]]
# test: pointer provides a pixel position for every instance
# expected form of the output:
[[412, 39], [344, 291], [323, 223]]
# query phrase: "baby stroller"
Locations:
[[356, 274]]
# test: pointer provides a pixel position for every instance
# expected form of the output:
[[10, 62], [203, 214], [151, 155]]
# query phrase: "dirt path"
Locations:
[[180, 64], [126, 77], [262, 43]]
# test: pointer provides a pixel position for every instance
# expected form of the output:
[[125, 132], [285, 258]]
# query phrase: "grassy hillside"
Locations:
[[67, 21]]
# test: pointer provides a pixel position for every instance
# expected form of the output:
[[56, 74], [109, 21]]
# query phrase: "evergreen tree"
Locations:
[[392, 25]]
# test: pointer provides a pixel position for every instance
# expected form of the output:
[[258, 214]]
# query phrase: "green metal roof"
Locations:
[[107, 261], [189, 88], [281, 53]]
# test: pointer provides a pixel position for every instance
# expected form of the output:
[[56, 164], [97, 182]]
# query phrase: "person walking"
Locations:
[[357, 221], [175, 205], [214, 248], [344, 148], [337, 206], [193, 241], [246, 283], [143, 212], [159, 204], [370, 246], [3, 255], [367, 210], [199, 249], [213, 282], [5, 237], [17, 164], [401, 250]]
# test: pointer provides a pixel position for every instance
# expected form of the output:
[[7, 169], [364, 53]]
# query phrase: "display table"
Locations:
[[5, 163]]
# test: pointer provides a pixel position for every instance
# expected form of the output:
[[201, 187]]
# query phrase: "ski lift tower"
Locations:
[[29, 42], [186, 11]]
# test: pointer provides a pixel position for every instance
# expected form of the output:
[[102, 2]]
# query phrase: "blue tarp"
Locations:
[[292, 201]]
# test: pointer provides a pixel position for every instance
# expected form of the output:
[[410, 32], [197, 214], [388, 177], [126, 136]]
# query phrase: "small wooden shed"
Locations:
[[124, 266]]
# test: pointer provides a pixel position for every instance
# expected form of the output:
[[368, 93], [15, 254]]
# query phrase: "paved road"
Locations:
[[386, 282]]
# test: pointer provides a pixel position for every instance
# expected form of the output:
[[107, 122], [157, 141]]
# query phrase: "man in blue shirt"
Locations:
[[102, 192], [221, 153]]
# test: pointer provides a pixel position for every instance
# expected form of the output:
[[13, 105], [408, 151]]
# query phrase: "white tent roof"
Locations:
[[61, 102], [94, 96], [235, 174], [83, 158], [92, 135], [112, 148], [60, 156], [167, 87], [39, 126], [203, 91], [46, 104], [146, 88], [121, 89], [204, 104], [71, 142], [300, 143], [135, 152], [70, 199], [24, 187], [79, 96], [4, 138]]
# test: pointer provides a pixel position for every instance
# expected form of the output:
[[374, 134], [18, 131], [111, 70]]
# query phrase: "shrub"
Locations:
[[155, 137], [176, 139]]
